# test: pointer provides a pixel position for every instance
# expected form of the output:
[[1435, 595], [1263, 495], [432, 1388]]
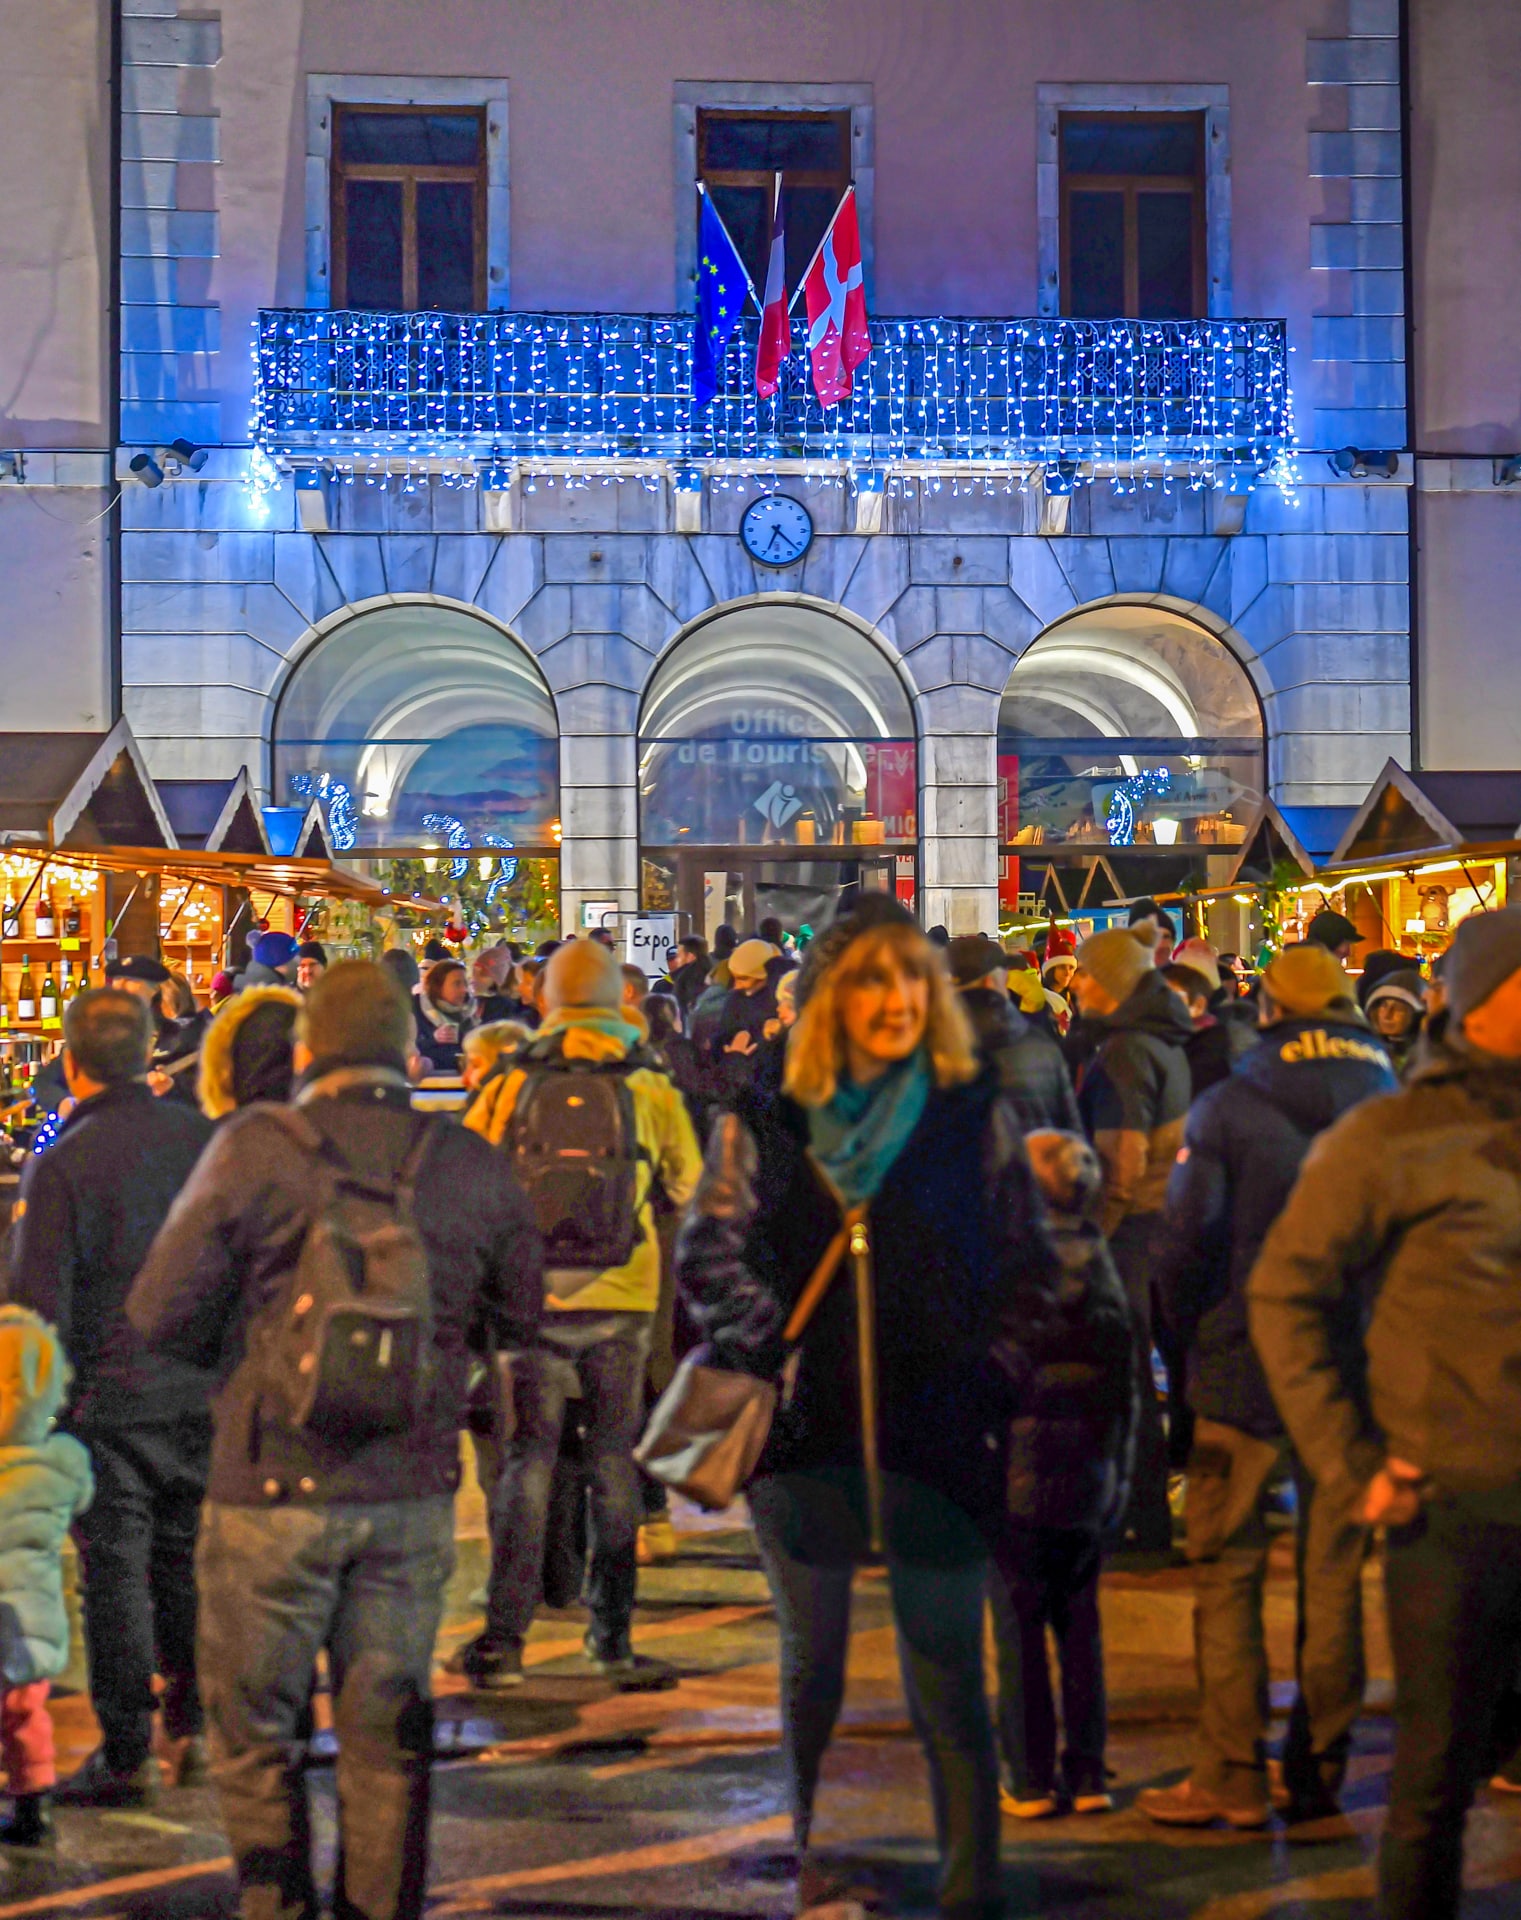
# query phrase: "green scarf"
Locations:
[[862, 1130], [599, 1019]]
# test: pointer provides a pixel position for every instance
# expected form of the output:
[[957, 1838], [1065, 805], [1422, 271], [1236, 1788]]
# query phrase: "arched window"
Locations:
[[777, 726], [783, 738], [420, 726], [1128, 727]]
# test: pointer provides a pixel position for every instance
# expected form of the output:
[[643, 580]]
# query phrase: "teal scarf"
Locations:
[[858, 1136]]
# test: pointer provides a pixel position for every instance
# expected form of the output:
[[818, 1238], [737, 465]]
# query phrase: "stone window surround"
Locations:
[[1212, 101], [771, 97], [326, 90]]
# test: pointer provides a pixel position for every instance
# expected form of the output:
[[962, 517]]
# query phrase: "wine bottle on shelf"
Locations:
[[26, 992], [49, 996], [47, 918], [73, 920], [10, 918]]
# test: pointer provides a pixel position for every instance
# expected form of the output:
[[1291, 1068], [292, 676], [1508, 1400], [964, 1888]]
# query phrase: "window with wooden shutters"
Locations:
[[409, 209], [1132, 204], [740, 153]]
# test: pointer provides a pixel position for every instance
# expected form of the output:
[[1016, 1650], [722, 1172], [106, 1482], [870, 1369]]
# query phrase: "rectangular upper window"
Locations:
[[1132, 216], [409, 208], [739, 154]]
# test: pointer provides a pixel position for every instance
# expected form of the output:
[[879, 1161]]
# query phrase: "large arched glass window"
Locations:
[[777, 726], [1131, 727], [420, 726]]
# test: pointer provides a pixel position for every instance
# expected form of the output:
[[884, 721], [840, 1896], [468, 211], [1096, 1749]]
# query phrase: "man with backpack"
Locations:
[[335, 1262], [595, 1133]]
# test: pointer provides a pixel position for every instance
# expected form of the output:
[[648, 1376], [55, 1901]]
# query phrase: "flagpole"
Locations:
[[820, 247], [749, 283]]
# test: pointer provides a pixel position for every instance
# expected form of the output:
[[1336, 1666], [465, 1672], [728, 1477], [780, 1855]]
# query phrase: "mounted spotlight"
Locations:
[[188, 454], [147, 469], [1508, 472], [1365, 463]]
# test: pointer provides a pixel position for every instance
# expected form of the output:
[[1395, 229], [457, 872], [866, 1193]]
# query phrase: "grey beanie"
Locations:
[[1485, 952]]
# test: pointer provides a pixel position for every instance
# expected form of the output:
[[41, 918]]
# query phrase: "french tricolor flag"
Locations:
[[776, 328]]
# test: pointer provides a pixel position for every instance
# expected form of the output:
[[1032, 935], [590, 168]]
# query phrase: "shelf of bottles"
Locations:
[[48, 939], [190, 920]]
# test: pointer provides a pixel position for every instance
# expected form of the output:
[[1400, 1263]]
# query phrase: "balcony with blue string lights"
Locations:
[[1203, 402]]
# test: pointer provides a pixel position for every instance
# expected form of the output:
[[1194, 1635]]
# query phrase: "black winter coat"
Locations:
[[89, 1209], [1026, 1062], [1071, 1451], [232, 1242], [962, 1264], [1242, 1150]]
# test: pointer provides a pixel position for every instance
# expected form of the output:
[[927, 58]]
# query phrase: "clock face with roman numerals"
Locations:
[[776, 530]]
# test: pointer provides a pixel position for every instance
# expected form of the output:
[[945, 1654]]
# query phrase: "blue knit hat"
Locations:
[[274, 950]]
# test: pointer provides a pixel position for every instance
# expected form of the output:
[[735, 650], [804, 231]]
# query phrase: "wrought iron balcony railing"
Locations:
[[1185, 394]]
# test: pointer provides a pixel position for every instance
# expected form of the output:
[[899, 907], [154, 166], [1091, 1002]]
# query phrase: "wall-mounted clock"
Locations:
[[776, 530]]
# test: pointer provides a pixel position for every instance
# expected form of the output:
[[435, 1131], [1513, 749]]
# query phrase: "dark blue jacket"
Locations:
[[1071, 1448], [1242, 1149]]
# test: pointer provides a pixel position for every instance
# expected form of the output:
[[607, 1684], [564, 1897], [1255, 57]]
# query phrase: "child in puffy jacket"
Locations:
[[1070, 1453], [45, 1479]]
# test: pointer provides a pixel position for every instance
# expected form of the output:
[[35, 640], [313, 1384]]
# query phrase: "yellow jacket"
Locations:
[[664, 1130]]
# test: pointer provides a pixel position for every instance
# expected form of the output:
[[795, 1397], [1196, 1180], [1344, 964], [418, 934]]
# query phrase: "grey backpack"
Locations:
[[347, 1350]]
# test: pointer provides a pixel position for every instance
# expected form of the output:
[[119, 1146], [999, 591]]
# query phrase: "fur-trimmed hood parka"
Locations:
[[246, 1054]]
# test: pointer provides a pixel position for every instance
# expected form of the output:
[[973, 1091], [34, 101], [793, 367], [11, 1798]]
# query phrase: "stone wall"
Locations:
[[1310, 596]]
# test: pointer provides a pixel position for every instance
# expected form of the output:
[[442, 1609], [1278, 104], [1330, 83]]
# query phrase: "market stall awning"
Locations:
[[79, 790], [1420, 814], [291, 877]]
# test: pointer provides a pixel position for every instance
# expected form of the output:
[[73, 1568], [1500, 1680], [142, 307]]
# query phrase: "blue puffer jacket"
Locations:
[[1242, 1149], [45, 1480]]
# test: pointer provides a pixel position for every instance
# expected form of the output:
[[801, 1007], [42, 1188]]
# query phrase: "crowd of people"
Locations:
[[1034, 1246]]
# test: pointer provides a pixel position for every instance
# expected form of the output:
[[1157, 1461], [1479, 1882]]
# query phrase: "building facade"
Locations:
[[1112, 540]]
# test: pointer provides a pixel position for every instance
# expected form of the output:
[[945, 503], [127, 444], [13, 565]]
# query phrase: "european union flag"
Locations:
[[722, 284]]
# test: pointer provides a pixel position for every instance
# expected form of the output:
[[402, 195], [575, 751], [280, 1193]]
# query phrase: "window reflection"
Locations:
[[411, 714]]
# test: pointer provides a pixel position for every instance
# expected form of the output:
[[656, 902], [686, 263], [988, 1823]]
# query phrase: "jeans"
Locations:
[[277, 1585], [603, 1354], [1454, 1591], [137, 1559], [938, 1615], [1148, 1519], [1049, 1576], [1229, 1475]]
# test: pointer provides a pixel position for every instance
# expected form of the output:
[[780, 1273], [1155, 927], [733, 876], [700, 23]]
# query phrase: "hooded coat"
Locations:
[[1133, 1096], [45, 1480], [1242, 1150], [1027, 1062], [229, 1078], [1405, 1218]]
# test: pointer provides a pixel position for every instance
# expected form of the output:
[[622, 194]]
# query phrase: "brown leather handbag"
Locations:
[[706, 1432]]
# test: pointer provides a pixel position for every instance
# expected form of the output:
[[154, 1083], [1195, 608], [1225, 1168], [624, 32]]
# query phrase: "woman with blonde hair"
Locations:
[[889, 1164]]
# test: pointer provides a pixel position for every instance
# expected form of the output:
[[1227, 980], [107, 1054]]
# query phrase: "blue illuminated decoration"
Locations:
[[342, 820], [1127, 800], [454, 832], [506, 870], [1206, 401], [47, 1133]]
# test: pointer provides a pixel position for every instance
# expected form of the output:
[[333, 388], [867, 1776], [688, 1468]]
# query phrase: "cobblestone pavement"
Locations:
[[568, 1800]]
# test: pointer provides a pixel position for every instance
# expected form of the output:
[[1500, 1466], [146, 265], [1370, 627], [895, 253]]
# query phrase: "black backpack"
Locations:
[[575, 1151], [347, 1351]]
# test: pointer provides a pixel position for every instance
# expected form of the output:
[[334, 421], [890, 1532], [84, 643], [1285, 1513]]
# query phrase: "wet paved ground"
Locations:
[[567, 1800]]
